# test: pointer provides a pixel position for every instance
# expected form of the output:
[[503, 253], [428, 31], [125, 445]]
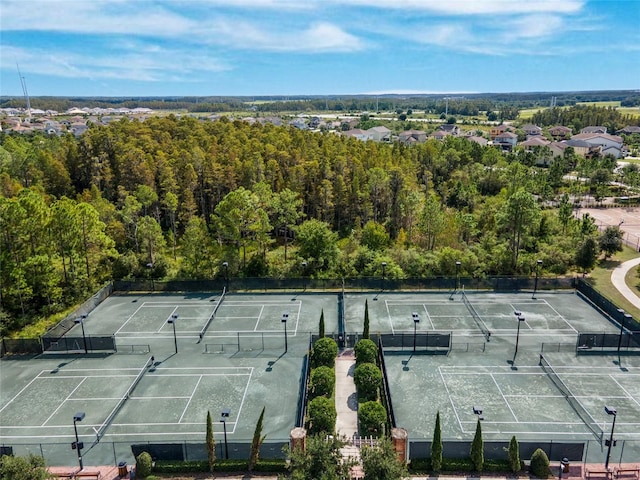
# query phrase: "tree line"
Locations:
[[176, 197]]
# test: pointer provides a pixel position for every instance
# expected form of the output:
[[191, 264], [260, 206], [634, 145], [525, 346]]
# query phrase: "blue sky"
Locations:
[[296, 47]]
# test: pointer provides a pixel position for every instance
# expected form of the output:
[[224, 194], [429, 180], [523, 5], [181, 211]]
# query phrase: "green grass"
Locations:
[[600, 104], [600, 278]]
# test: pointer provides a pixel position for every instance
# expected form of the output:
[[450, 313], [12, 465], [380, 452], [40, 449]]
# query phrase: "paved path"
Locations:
[[618, 276], [347, 406]]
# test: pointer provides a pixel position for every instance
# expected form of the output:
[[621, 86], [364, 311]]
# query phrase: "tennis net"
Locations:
[[476, 317], [213, 314], [124, 398], [573, 401]]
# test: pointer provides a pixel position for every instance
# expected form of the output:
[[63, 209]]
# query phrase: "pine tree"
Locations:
[[365, 333], [321, 326], [477, 449], [514, 455], [211, 443], [256, 443], [436, 446]]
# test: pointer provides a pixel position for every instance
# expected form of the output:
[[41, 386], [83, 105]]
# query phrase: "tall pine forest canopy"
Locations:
[[176, 197]]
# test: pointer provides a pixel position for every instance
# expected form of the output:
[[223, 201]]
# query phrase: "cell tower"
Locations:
[[23, 82]]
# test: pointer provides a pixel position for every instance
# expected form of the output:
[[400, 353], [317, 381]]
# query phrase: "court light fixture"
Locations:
[[172, 320], [610, 442], [416, 320], [80, 320], [477, 410], [226, 412], [78, 445], [285, 317]]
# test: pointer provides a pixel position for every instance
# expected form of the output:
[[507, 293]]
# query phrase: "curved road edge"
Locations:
[[618, 279]]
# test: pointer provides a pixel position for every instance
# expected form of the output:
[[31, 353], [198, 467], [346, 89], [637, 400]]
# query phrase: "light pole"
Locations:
[[285, 317], [458, 263], [535, 285], [610, 411], [223, 418], [520, 320], [416, 320], [478, 411], [172, 321], [384, 265], [84, 337], [304, 275], [226, 274], [622, 322], [77, 445]]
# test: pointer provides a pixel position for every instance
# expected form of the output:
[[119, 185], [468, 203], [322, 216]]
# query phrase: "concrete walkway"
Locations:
[[618, 276], [347, 407]]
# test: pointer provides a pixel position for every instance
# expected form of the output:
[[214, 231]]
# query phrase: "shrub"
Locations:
[[477, 449], [366, 351], [322, 382], [540, 464], [436, 445], [324, 353], [514, 455], [322, 415], [368, 379], [372, 417], [144, 464]]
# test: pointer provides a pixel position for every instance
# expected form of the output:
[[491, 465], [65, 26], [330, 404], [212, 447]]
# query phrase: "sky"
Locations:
[[137, 48]]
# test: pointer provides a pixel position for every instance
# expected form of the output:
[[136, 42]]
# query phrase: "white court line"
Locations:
[[624, 390], [295, 331], [389, 317], [426, 312], [157, 398], [563, 319], [244, 396], [62, 403], [255, 329], [190, 398], [504, 399], [129, 319], [455, 410], [167, 319]]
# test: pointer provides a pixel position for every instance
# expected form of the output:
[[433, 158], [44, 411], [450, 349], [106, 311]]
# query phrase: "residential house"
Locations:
[[560, 132], [506, 140], [358, 134], [558, 148], [450, 128], [498, 129], [299, 123], [440, 134], [531, 130], [380, 134], [580, 147], [479, 140], [535, 141], [629, 130], [594, 129], [603, 140], [412, 136]]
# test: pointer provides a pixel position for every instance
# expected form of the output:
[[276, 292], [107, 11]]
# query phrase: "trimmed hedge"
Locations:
[[372, 417], [322, 382], [368, 380], [324, 353], [321, 415], [366, 351], [462, 465], [192, 466]]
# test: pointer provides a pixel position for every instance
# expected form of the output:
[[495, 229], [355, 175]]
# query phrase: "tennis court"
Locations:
[[242, 362]]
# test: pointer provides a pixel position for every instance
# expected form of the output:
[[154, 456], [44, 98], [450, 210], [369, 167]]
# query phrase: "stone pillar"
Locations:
[[298, 439], [400, 440]]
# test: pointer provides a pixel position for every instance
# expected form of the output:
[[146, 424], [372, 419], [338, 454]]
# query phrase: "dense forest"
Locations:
[[176, 197]]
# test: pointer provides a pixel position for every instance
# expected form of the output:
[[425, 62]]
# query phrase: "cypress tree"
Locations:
[[477, 449], [256, 443], [436, 446], [211, 443], [321, 326], [514, 455], [365, 333]]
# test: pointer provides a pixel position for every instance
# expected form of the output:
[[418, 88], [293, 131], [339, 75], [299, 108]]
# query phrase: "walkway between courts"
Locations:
[[347, 407]]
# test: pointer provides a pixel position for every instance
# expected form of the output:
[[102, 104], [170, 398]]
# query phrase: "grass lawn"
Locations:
[[600, 278]]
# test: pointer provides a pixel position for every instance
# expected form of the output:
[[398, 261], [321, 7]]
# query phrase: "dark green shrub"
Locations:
[[372, 417], [324, 353], [144, 464], [366, 351], [540, 464], [436, 445], [321, 415], [514, 455], [477, 449], [368, 380], [322, 382]]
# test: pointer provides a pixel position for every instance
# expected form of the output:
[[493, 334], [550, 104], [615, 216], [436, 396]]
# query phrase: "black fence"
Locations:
[[424, 342], [556, 451], [509, 284], [610, 309], [89, 343], [606, 343], [198, 451], [20, 346], [303, 390], [386, 391]]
